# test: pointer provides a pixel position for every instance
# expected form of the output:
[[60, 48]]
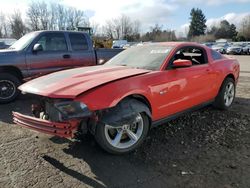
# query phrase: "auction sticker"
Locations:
[[159, 51]]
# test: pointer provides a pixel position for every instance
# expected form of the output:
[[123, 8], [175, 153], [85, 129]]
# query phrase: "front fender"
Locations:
[[110, 95], [99, 100], [124, 112]]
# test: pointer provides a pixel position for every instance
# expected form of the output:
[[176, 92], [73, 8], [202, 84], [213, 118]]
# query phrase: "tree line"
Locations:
[[41, 16], [55, 16], [198, 30]]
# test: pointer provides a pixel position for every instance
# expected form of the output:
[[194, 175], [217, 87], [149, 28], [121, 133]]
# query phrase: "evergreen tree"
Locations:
[[198, 23], [233, 31], [226, 30]]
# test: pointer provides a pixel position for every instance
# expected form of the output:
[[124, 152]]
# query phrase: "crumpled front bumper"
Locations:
[[61, 129]]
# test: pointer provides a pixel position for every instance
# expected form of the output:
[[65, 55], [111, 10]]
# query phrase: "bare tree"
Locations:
[[126, 27], [38, 14], [122, 28], [55, 16], [245, 27], [108, 29], [4, 26], [95, 27], [117, 31], [61, 17], [17, 25], [43, 15], [33, 15], [75, 18], [1, 24]]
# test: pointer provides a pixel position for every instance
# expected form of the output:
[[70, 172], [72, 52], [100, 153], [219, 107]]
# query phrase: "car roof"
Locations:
[[178, 44], [58, 31]]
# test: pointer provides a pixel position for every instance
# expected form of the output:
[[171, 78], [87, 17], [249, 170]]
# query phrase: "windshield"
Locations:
[[24, 41], [148, 57]]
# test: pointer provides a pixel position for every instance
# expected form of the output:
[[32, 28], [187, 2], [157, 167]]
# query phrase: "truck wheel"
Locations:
[[125, 138], [226, 95], [8, 87]]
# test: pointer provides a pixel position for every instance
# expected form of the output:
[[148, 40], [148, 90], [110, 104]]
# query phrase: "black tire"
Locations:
[[104, 144], [11, 81], [220, 102]]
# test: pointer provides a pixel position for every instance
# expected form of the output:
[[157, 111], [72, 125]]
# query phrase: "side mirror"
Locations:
[[37, 48], [181, 63]]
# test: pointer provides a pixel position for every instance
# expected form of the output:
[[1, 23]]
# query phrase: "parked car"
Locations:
[[246, 49], [43, 52], [6, 42], [235, 50], [220, 47], [140, 88], [119, 43], [209, 44]]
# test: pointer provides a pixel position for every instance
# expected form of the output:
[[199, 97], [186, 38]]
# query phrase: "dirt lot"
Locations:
[[207, 149]]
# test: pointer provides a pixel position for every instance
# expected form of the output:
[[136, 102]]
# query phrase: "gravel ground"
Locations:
[[204, 149]]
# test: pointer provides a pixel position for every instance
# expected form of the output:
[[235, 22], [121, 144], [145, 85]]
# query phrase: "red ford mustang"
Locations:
[[138, 89]]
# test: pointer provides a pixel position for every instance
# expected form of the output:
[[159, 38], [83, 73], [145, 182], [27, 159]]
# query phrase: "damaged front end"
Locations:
[[55, 116], [69, 118]]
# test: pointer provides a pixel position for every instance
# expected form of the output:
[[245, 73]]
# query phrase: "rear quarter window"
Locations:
[[78, 42], [216, 55]]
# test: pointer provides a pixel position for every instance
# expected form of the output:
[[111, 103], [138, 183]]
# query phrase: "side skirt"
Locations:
[[178, 114]]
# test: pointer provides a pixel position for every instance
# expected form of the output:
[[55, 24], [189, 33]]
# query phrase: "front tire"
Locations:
[[8, 87], [125, 138], [226, 95]]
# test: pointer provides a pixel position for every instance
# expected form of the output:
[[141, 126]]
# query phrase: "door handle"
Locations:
[[66, 56]]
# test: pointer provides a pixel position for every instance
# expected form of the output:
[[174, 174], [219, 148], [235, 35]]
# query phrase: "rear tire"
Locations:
[[8, 87], [226, 95], [126, 143]]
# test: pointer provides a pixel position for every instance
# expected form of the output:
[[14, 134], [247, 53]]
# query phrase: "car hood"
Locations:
[[7, 51], [73, 82]]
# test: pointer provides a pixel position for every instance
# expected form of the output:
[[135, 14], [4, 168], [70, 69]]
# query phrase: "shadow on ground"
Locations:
[[22, 104]]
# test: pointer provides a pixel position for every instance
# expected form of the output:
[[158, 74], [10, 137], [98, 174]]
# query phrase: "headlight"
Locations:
[[72, 109]]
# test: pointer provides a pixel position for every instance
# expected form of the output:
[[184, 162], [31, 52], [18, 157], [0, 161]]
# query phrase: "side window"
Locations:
[[78, 42], [194, 54], [53, 42], [216, 55]]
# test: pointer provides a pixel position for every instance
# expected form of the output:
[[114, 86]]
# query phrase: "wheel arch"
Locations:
[[112, 108], [140, 98], [12, 70], [230, 75]]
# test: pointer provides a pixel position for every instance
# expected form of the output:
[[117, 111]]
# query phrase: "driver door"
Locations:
[[185, 87], [54, 55]]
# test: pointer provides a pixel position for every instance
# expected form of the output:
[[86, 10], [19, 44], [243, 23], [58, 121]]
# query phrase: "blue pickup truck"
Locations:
[[43, 52]]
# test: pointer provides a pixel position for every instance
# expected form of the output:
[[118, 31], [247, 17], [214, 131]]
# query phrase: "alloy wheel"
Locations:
[[229, 94], [126, 135]]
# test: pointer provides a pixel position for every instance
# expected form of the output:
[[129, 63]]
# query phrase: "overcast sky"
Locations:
[[172, 14]]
